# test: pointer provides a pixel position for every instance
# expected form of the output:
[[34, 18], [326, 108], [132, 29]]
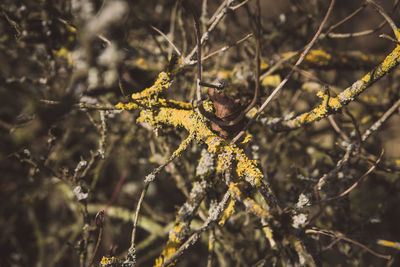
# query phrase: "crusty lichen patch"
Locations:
[[330, 105], [158, 111]]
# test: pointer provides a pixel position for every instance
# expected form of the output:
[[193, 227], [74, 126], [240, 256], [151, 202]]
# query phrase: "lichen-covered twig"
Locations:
[[284, 81], [181, 226], [150, 178], [344, 98], [158, 111], [215, 214]]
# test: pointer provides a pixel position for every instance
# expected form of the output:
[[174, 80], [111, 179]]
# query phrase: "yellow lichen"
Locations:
[[318, 57], [256, 209], [236, 193], [127, 106], [208, 106], [321, 94], [173, 103], [247, 168], [214, 143], [247, 138], [264, 65], [271, 80], [222, 74], [163, 82], [64, 53], [347, 94], [170, 248], [158, 111], [366, 79], [366, 119], [230, 209], [334, 103], [210, 244], [288, 54], [140, 61], [225, 158], [269, 235], [370, 99], [175, 231], [388, 243], [304, 257], [388, 63], [173, 243], [397, 34], [303, 118], [107, 260]]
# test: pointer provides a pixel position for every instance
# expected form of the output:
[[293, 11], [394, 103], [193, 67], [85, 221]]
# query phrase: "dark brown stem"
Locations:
[[100, 224]]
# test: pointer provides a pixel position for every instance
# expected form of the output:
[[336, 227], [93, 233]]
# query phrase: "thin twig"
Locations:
[[356, 126], [80, 105], [358, 10], [214, 216], [217, 17], [278, 64], [278, 88], [239, 5], [198, 38], [348, 190], [148, 180], [258, 34], [341, 236], [236, 120], [381, 120], [337, 129], [226, 47], [217, 12], [390, 38], [168, 40], [361, 33], [386, 17], [172, 27], [355, 34], [100, 224], [211, 241], [203, 16], [306, 74]]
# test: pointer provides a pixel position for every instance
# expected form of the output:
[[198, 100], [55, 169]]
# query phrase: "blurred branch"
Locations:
[[81, 105]]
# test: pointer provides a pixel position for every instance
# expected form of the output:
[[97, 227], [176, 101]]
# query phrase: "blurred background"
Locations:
[[66, 153]]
